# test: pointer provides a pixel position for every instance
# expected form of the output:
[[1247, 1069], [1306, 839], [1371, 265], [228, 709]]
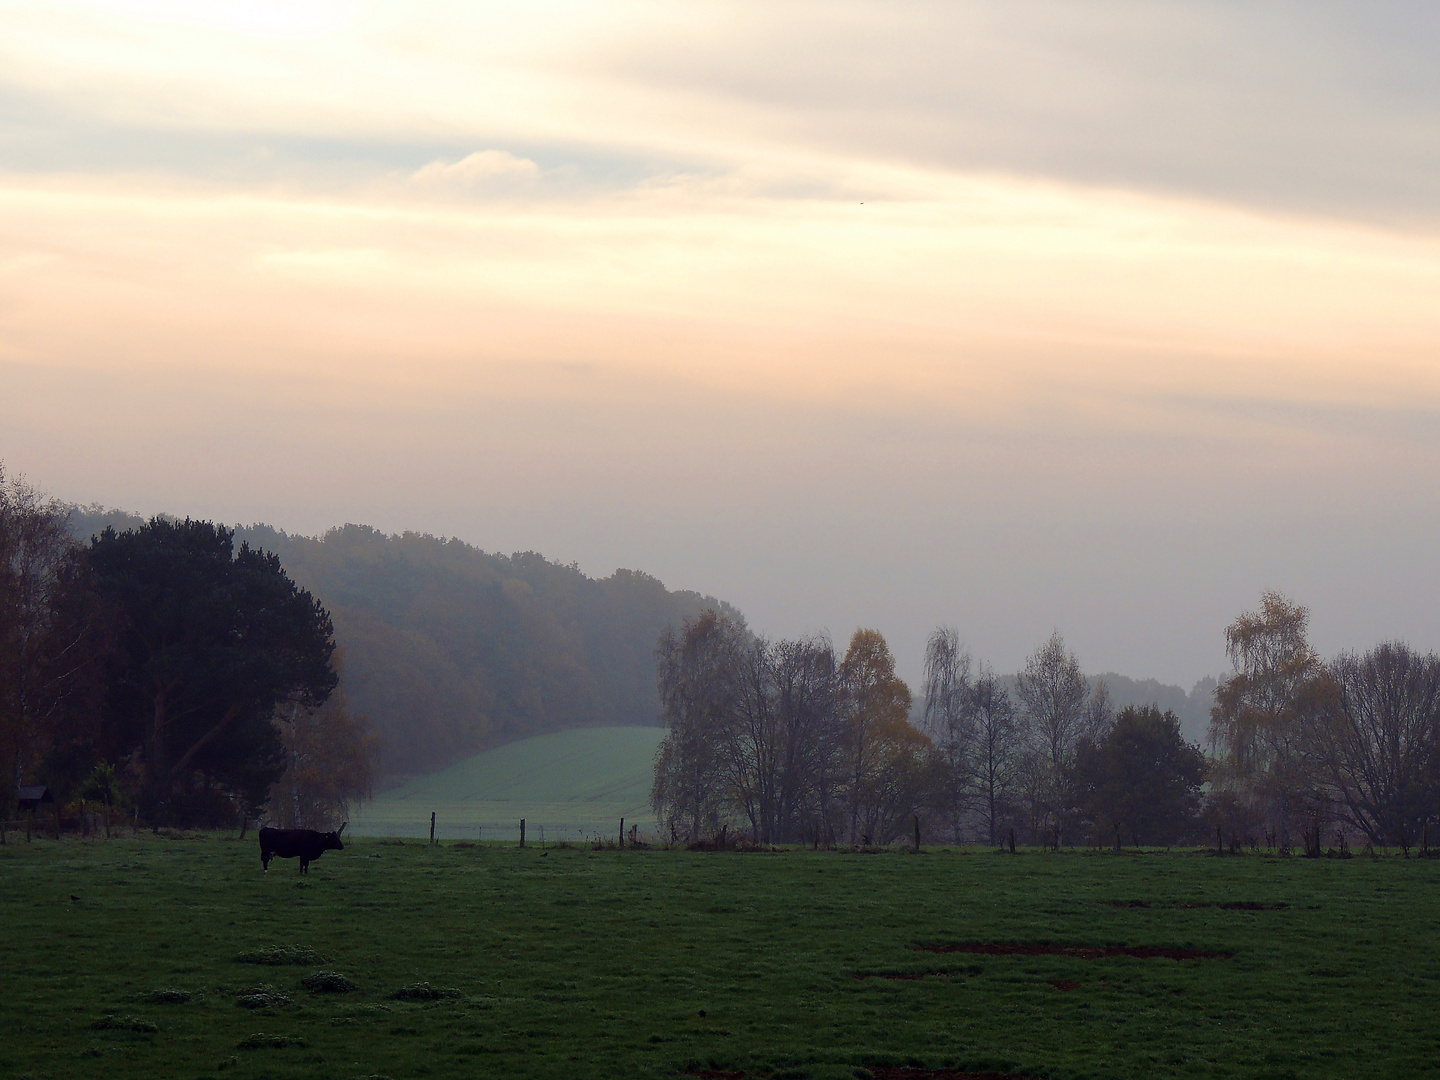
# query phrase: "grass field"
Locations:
[[573, 784], [122, 959]]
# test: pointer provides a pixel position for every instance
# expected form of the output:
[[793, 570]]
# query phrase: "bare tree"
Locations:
[[330, 755], [1377, 740], [1053, 694], [948, 721], [992, 720], [806, 704], [699, 682], [49, 632]]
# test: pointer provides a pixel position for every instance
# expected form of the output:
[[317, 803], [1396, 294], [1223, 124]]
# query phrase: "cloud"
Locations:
[[484, 167]]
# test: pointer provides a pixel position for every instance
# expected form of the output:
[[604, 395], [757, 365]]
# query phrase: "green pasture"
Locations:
[[124, 959], [574, 784]]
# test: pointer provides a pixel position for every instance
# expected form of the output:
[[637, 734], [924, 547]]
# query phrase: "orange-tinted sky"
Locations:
[[1003, 315]]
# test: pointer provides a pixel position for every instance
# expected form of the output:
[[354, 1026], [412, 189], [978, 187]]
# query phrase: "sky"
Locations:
[[1012, 316]]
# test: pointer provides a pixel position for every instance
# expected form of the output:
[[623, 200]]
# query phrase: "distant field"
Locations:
[[573, 784], [126, 960]]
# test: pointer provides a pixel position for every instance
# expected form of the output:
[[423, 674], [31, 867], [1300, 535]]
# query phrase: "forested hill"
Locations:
[[451, 650]]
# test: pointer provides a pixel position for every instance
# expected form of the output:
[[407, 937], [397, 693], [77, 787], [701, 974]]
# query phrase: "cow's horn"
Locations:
[[342, 828]]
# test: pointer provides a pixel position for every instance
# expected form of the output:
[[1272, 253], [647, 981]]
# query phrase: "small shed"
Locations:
[[31, 798]]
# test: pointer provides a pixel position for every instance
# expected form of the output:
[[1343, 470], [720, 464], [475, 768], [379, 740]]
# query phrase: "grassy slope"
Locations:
[[574, 783], [647, 963]]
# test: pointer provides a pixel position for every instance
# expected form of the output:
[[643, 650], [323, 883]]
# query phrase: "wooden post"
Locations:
[[1012, 840], [1219, 842], [622, 832], [522, 832], [432, 826], [917, 834]]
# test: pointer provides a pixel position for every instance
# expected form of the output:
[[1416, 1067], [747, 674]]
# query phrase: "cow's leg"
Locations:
[[304, 865], [265, 860]]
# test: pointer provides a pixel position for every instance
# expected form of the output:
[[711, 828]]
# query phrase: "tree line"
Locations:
[[451, 650], [161, 672], [790, 742], [1314, 752]]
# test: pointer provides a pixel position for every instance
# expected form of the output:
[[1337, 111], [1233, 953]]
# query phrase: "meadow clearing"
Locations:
[[175, 956]]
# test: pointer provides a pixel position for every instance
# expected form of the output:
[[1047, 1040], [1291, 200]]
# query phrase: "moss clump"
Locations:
[[264, 996], [125, 1023], [282, 955], [423, 991], [328, 982]]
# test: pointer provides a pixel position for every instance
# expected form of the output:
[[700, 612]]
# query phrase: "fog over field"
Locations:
[[1014, 317]]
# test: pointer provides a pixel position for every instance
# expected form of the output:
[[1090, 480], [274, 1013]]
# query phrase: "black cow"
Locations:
[[306, 844]]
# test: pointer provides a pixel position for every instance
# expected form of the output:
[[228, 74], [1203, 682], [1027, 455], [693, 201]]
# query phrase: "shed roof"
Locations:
[[36, 794]]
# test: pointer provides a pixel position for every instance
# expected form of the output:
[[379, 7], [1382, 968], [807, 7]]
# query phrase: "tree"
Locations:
[[209, 642], [329, 764], [699, 681], [51, 639], [1053, 694], [1258, 723], [992, 721], [948, 720], [1142, 779], [776, 740], [880, 746], [1378, 739], [805, 676]]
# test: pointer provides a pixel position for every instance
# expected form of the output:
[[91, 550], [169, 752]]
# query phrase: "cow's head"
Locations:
[[332, 839]]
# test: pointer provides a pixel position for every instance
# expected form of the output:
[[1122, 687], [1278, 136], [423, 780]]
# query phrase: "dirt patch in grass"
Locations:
[[887, 1072], [1223, 905], [1079, 952], [1065, 985]]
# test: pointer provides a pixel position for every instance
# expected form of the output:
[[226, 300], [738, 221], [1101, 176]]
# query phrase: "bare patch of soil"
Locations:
[[886, 1072], [1079, 952], [1065, 985], [1224, 905]]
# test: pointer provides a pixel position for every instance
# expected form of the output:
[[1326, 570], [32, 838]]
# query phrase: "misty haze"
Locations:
[[648, 540]]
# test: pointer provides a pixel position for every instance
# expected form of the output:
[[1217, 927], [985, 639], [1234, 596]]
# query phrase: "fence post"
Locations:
[[622, 832], [917, 834], [432, 826], [522, 832]]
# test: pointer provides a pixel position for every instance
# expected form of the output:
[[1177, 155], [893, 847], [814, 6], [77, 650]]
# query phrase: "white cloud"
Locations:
[[481, 167]]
